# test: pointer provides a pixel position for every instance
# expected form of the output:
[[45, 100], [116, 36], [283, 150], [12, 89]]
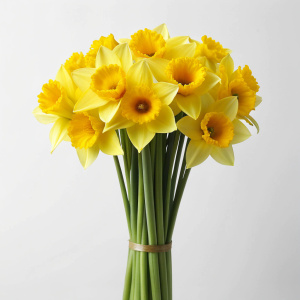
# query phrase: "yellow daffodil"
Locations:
[[192, 78], [104, 86], [240, 83], [213, 132], [211, 50], [84, 130], [157, 43], [76, 61], [144, 110], [56, 104], [86, 134], [108, 42]]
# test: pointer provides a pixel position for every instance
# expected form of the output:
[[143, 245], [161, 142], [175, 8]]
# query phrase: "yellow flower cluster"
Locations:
[[148, 84]]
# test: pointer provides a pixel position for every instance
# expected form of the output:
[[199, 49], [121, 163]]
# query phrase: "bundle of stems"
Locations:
[[154, 186]]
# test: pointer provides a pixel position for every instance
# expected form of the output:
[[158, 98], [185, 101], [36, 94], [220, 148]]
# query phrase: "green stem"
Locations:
[[134, 194], [125, 158], [168, 189], [123, 191], [151, 223], [170, 279], [137, 288], [176, 167], [128, 149], [178, 196], [169, 143], [141, 201], [144, 263], [159, 216], [153, 153], [128, 277]]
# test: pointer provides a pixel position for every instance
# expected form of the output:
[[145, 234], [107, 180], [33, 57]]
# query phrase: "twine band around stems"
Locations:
[[150, 248]]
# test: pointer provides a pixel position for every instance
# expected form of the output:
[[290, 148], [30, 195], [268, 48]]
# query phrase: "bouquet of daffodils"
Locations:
[[165, 104]]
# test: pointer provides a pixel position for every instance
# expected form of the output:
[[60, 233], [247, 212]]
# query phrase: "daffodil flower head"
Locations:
[[187, 72], [192, 78], [104, 86], [211, 49], [109, 82], [84, 130], [156, 43], [214, 131], [240, 83], [54, 100], [86, 133], [141, 105], [108, 42], [147, 43], [217, 129], [56, 104], [144, 110], [76, 61]]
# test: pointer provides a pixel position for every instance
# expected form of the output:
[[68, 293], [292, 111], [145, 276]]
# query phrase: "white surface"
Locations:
[[62, 229]]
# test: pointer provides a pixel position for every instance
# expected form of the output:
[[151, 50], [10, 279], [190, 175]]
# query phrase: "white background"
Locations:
[[63, 232]]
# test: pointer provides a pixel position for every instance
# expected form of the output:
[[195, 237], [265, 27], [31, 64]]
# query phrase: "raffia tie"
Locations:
[[150, 248]]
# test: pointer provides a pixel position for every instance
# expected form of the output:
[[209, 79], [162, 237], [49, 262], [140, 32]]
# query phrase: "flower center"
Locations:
[[188, 73], [217, 129], [147, 43], [109, 82], [140, 105], [54, 100], [84, 130]]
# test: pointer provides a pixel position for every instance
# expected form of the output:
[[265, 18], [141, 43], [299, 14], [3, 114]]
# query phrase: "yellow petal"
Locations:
[[158, 67], [87, 156], [106, 57], [107, 111], [165, 121], [124, 40], [109, 143], [258, 100], [190, 104], [58, 132], [139, 74], [42, 117], [176, 110], [210, 81], [118, 122], [67, 138], [224, 156], [82, 77], [165, 91], [227, 62], [190, 127], [176, 41], [64, 78], [185, 50], [124, 54], [253, 121], [207, 102], [163, 30], [241, 132], [197, 152], [228, 105], [89, 100], [140, 136]]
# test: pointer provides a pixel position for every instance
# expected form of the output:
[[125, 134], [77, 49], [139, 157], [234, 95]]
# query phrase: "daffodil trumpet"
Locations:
[[165, 105]]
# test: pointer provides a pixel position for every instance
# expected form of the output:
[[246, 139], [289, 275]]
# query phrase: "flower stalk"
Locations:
[[149, 275]]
